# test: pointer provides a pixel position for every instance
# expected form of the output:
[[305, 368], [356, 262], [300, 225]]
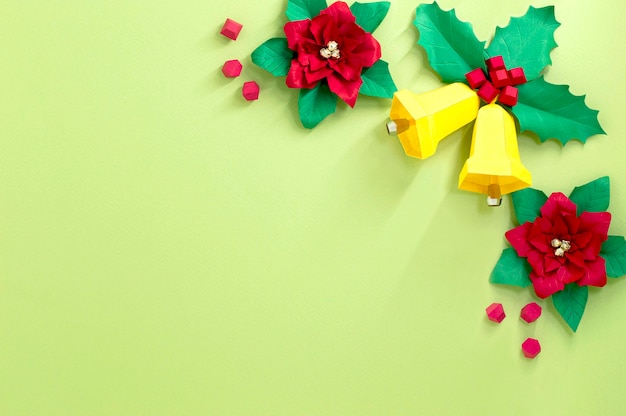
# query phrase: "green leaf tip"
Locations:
[[511, 270], [274, 56], [451, 45], [527, 204], [370, 15], [527, 41], [593, 196], [570, 304], [304, 9], [553, 112], [377, 81], [315, 104], [614, 254]]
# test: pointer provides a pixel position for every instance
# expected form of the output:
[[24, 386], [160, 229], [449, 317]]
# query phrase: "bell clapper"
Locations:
[[494, 196]]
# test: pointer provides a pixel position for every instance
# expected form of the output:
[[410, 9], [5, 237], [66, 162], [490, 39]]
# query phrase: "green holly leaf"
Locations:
[[570, 303], [377, 81], [452, 47], [274, 56], [304, 9], [511, 269], [593, 196], [527, 41], [370, 15], [614, 254], [316, 104], [527, 204], [552, 111]]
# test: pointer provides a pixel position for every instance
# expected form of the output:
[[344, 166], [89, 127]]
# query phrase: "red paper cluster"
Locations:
[[499, 82], [562, 247], [331, 46]]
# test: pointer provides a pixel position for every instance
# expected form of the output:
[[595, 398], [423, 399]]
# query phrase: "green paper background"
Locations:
[[167, 248]]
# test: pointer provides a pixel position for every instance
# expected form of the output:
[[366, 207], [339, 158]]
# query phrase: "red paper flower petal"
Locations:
[[597, 222], [545, 286], [340, 12], [557, 203], [535, 259], [296, 32], [323, 29], [596, 273], [347, 90], [369, 50], [518, 239], [349, 68], [551, 263], [296, 76]]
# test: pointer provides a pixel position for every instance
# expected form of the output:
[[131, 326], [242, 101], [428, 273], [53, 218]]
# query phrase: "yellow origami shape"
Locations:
[[494, 167]]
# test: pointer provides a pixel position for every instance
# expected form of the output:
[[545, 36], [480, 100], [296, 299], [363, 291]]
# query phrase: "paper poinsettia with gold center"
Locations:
[[562, 246], [328, 53], [506, 78]]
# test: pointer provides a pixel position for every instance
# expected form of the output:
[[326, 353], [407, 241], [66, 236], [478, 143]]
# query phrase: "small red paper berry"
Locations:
[[488, 92], [231, 29], [499, 78], [475, 78], [517, 76], [495, 312], [250, 91], [531, 348], [232, 69], [508, 96], [531, 312], [497, 62]]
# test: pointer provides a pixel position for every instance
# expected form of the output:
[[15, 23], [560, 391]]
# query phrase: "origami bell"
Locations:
[[422, 121], [494, 167]]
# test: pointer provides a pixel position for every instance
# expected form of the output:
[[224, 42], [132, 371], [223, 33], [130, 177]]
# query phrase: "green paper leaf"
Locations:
[[377, 81], [452, 47], [274, 56], [614, 254], [570, 303], [593, 196], [316, 104], [370, 15], [527, 41], [527, 204], [552, 111], [304, 9], [511, 270]]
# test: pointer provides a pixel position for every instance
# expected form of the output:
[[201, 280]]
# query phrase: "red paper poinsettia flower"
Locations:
[[562, 247], [331, 46]]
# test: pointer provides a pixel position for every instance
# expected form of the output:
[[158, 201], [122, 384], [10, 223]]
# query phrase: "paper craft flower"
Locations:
[[328, 52], [507, 76], [562, 246]]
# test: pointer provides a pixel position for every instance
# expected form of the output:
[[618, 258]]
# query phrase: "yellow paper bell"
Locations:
[[422, 121], [494, 167]]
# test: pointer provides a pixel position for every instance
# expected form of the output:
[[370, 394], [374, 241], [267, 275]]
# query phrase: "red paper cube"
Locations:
[[232, 69], [508, 96], [250, 91], [499, 78], [475, 78], [497, 62], [231, 29], [517, 76], [495, 312], [531, 348], [488, 92], [531, 312]]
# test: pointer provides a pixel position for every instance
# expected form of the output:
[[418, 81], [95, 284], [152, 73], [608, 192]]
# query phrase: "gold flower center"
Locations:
[[331, 50], [560, 246]]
